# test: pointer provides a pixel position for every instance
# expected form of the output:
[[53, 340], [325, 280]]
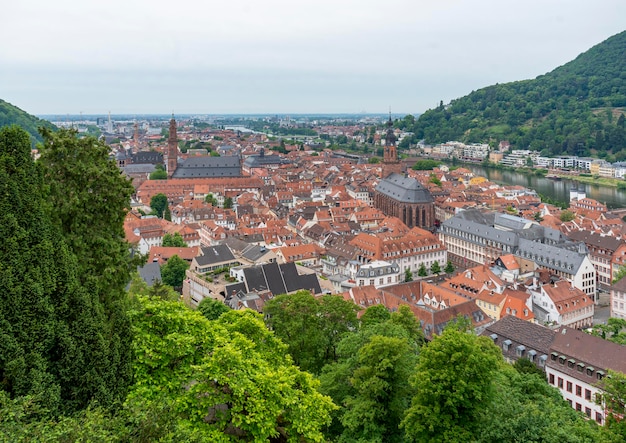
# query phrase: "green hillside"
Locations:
[[577, 108], [12, 115]]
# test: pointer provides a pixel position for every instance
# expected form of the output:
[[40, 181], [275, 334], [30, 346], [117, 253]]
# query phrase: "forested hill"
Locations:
[[12, 115], [578, 108]]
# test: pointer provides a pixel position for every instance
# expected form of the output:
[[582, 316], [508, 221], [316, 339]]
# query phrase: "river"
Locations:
[[555, 189]]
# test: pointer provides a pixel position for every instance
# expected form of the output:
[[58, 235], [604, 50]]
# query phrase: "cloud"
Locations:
[[276, 55]]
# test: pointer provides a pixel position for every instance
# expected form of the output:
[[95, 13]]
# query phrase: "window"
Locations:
[[579, 407], [588, 412], [560, 383], [599, 418], [551, 378], [506, 344], [578, 390], [568, 386], [587, 394]]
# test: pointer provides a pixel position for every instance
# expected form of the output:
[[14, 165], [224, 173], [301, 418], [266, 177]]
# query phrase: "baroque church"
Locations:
[[400, 196]]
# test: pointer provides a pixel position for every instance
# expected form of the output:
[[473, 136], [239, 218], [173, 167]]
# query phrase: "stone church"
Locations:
[[400, 196]]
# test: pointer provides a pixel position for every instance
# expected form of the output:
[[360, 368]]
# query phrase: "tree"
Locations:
[[374, 315], [228, 203], [567, 216], [160, 206], [408, 275], [88, 200], [435, 268], [434, 180], [211, 200], [381, 392], [613, 397], [223, 380], [370, 377], [159, 173], [425, 165], [452, 381], [173, 271], [374, 160], [449, 269], [310, 327], [175, 240], [422, 272], [211, 309]]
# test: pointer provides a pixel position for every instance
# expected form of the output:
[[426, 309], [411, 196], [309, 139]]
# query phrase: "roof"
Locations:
[[214, 254], [552, 257], [531, 335], [150, 273], [593, 351], [404, 189], [207, 166]]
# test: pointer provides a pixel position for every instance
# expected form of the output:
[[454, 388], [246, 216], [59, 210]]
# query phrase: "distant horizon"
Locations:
[[261, 114]]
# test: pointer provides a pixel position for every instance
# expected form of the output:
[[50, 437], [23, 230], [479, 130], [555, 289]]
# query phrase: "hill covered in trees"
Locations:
[[578, 108], [12, 115]]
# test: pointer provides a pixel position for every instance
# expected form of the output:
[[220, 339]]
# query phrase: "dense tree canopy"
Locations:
[[310, 327], [65, 335]]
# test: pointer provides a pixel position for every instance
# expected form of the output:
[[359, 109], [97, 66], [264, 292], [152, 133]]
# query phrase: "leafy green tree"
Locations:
[[408, 275], [211, 200], [525, 366], [371, 384], [310, 327], [614, 330], [435, 268], [375, 314], [614, 398], [567, 216], [452, 381], [173, 271], [434, 180], [422, 272], [374, 160], [449, 269], [159, 173], [228, 203], [524, 408], [425, 165], [88, 200], [160, 206], [224, 380], [175, 240], [211, 309], [381, 392]]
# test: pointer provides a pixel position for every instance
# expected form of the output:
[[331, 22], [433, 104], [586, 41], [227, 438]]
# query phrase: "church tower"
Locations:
[[172, 149], [390, 153]]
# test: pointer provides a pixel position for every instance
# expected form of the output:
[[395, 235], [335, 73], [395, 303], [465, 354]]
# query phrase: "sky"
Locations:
[[61, 57]]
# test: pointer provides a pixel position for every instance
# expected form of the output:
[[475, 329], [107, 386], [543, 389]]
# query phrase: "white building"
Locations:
[[618, 299]]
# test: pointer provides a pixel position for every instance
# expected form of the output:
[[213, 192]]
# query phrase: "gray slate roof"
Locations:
[[404, 189], [214, 254], [150, 273], [550, 256], [207, 166], [279, 279], [481, 231]]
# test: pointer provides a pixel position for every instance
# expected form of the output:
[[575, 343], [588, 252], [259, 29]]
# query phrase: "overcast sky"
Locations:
[[278, 56]]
